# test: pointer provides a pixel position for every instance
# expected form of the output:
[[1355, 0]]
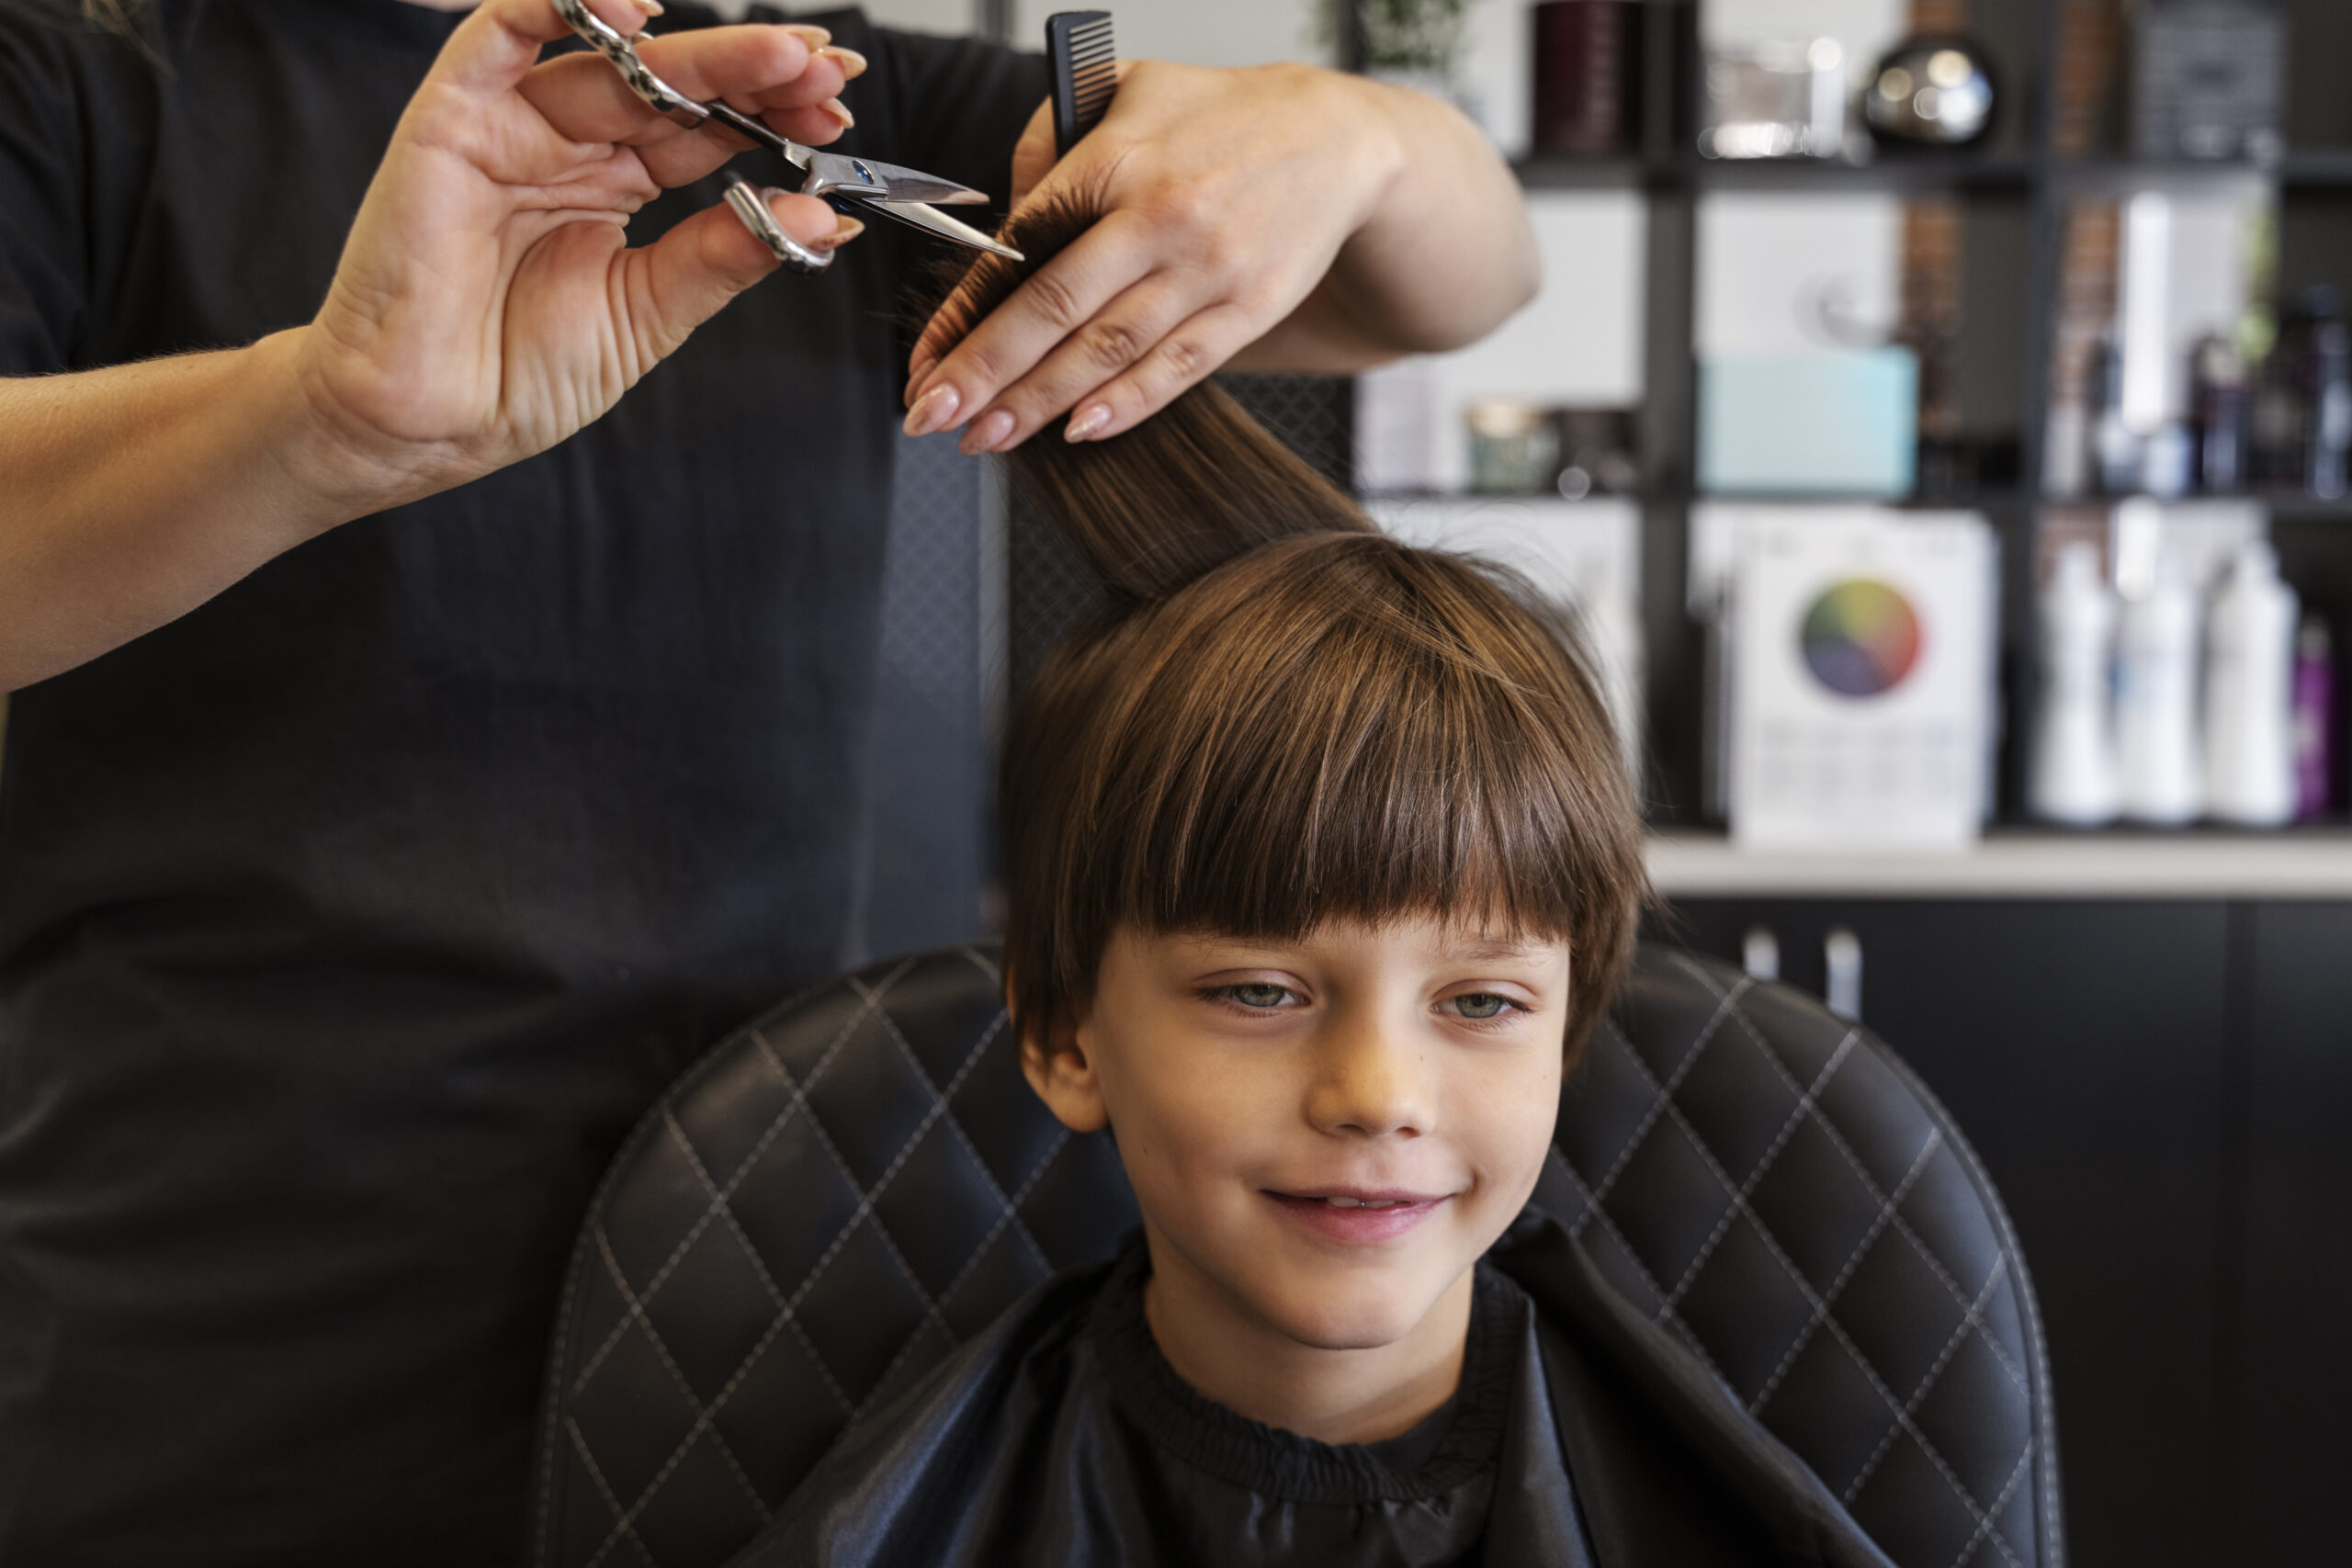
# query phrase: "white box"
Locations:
[[1862, 682]]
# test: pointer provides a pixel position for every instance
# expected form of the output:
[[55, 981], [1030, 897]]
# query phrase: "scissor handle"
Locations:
[[756, 217], [606, 41]]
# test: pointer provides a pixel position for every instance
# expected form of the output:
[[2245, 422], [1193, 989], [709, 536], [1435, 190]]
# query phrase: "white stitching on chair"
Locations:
[[1665, 1315], [1935, 1370], [1984, 1526], [798, 1101], [1010, 1216], [626, 1523], [1838, 1281], [788, 1315], [1764, 1165], [940, 1097], [677, 1375], [1601, 1189], [1869, 1183]]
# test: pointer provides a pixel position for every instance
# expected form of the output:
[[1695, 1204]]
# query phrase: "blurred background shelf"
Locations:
[[2024, 862], [1923, 171]]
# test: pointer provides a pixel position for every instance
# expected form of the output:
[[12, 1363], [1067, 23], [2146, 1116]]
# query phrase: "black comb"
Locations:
[[1086, 71]]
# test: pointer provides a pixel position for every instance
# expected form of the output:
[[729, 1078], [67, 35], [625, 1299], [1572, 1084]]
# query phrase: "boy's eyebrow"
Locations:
[[1481, 949]]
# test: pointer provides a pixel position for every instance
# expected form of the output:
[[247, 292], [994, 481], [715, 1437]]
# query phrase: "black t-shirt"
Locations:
[[1247, 1493], [348, 923]]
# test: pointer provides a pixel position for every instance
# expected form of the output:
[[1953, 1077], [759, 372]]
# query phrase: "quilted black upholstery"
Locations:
[[843, 1190]]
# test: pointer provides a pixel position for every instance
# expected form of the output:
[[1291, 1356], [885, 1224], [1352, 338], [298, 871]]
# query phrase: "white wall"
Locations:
[[1199, 32], [921, 16], [1577, 344]]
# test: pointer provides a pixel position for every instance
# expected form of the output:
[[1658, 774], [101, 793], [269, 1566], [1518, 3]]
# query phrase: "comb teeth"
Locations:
[[1085, 68]]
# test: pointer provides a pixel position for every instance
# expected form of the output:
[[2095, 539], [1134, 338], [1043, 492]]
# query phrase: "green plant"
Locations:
[[1403, 35]]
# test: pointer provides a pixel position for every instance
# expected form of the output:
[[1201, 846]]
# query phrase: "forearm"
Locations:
[[1443, 255], [130, 495]]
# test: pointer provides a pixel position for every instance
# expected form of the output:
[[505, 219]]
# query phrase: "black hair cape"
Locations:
[[1669, 1471]]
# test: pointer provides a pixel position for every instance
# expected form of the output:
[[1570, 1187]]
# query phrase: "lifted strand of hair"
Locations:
[[1155, 507]]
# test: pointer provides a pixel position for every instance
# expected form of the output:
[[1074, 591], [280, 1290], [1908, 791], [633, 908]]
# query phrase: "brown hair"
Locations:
[[1286, 716]]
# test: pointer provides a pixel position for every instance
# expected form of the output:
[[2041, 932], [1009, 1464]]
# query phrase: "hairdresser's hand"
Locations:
[[1280, 217], [487, 305]]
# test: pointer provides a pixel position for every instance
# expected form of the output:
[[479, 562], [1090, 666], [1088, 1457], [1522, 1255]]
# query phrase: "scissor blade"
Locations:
[[946, 228], [913, 185]]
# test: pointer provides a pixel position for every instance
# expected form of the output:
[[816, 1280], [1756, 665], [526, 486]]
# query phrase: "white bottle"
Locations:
[[2157, 775], [2074, 748], [2249, 693]]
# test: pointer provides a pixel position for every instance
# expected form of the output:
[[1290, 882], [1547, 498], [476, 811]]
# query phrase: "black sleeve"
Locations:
[[44, 230]]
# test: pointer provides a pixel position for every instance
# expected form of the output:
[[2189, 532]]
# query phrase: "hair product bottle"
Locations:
[[2328, 451], [2249, 671], [2158, 779], [2218, 412], [2074, 751], [2303, 421], [2315, 719]]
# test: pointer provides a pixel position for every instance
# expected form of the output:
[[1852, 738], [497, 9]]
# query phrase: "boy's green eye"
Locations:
[[1258, 995], [1480, 1004]]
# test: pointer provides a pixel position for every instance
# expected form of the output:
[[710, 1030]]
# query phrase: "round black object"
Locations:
[[1930, 92]]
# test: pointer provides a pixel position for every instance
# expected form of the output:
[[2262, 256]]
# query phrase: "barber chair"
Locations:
[[843, 1190]]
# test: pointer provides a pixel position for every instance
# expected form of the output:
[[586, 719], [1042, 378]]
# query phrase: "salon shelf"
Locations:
[[2324, 169], [2024, 862], [1998, 498], [2307, 509], [1988, 498], [1904, 172], [2284, 506], [1588, 174]]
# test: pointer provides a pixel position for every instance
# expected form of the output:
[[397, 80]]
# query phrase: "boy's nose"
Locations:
[[1371, 1080]]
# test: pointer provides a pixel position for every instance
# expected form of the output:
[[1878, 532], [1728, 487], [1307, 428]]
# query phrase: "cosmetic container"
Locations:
[[2249, 666], [2315, 719], [2074, 778], [2217, 400], [2158, 776]]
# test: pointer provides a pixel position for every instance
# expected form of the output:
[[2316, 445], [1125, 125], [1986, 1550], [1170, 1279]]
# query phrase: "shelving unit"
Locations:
[[2298, 864], [2015, 190]]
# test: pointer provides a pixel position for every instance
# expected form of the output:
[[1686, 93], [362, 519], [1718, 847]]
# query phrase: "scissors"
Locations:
[[906, 195]]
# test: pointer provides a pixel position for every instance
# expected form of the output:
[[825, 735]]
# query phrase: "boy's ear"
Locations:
[[1057, 1059]]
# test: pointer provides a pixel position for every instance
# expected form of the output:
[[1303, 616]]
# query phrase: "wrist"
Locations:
[[336, 466], [1371, 125]]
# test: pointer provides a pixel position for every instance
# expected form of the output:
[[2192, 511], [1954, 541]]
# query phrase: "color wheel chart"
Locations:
[[1861, 638]]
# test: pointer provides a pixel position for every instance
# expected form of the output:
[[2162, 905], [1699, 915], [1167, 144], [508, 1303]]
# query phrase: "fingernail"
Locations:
[[993, 431], [841, 112], [1086, 421], [850, 229], [650, 8], [932, 411], [809, 33], [853, 64]]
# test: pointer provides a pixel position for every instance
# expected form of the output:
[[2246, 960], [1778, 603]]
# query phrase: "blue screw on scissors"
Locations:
[[902, 194]]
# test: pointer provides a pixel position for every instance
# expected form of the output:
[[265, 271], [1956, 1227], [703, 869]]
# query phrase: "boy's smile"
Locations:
[[1324, 1135]]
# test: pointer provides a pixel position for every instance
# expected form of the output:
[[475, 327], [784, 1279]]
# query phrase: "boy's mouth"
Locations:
[[1353, 1215]]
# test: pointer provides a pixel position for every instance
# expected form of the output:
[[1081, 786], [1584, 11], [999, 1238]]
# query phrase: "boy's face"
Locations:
[[1324, 1135]]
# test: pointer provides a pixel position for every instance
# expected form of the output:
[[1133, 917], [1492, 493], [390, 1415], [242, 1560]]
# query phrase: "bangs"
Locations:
[[1372, 763]]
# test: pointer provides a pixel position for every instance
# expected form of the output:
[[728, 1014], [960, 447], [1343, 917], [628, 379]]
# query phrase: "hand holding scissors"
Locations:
[[488, 302]]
